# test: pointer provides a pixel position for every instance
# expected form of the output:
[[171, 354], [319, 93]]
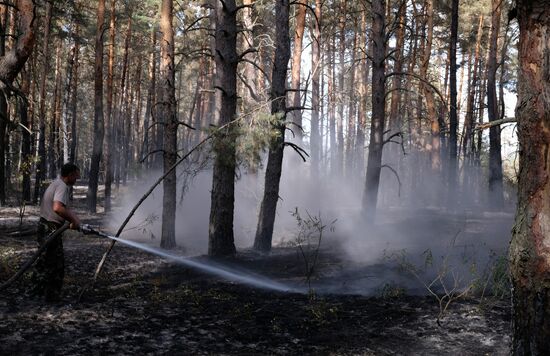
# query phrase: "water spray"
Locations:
[[216, 269]]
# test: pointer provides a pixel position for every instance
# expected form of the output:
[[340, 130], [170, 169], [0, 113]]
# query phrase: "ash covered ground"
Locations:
[[143, 304]]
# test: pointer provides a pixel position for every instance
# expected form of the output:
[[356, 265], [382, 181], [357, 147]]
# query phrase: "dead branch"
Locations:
[[488, 125]]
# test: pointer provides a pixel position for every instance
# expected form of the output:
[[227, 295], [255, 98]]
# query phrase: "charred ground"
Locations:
[[143, 304]]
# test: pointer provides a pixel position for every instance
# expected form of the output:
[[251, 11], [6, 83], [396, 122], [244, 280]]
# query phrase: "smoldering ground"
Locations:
[[413, 241]]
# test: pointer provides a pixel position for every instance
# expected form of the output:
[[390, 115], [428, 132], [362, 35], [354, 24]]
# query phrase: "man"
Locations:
[[54, 211]]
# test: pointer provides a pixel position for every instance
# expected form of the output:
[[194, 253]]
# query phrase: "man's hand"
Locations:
[[75, 225]]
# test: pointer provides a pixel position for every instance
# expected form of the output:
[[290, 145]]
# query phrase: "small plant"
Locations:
[[308, 240], [390, 291], [447, 286]]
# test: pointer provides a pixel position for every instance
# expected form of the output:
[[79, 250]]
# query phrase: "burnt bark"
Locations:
[[220, 232], [530, 246], [266, 220], [99, 125]]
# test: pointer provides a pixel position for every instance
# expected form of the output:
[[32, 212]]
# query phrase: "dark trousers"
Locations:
[[49, 270]]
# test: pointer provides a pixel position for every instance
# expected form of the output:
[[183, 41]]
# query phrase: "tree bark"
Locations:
[[340, 144], [496, 197], [296, 68], [374, 164], [530, 246], [74, 96], [99, 125], [453, 118], [315, 138], [148, 129], [54, 124], [108, 110], [168, 110], [266, 220], [362, 114], [11, 63], [220, 233], [41, 159]]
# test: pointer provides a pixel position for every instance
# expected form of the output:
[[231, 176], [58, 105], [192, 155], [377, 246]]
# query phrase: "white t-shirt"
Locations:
[[57, 191]]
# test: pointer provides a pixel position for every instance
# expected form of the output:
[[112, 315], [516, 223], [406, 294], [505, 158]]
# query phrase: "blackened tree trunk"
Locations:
[[11, 63], [54, 127], [529, 249], [99, 125], [266, 220], [109, 110], [374, 165], [496, 197], [148, 136], [339, 169], [41, 159], [220, 232], [453, 118], [26, 152], [168, 110]]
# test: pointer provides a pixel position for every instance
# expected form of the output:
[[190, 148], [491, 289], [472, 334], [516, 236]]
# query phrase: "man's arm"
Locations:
[[61, 210]]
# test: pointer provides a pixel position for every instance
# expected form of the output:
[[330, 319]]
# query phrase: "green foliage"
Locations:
[[255, 137], [390, 291]]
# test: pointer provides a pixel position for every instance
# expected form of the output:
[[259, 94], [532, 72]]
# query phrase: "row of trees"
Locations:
[[223, 60]]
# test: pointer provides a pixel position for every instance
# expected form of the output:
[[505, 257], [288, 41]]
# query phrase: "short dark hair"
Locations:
[[69, 168]]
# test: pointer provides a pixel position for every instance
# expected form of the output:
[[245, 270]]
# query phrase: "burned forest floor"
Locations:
[[144, 304]]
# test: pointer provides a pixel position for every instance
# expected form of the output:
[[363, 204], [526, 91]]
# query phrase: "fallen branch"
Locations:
[[37, 254]]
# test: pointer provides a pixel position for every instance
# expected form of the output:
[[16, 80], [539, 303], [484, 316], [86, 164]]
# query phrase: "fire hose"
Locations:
[[86, 229]]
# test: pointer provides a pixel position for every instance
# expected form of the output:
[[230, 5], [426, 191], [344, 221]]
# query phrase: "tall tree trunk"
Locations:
[[374, 164], [352, 107], [26, 152], [332, 105], [54, 127], [266, 220], [41, 159], [453, 119], [315, 137], [74, 96], [530, 246], [296, 68], [250, 71], [109, 144], [341, 89], [168, 109], [148, 129], [362, 115], [496, 197], [99, 127], [469, 119], [220, 233], [428, 92]]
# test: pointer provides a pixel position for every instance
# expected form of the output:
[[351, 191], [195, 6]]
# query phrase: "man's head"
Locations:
[[70, 173]]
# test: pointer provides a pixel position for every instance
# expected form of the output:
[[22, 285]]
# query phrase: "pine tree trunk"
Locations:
[[220, 233], [362, 114], [453, 118], [315, 138], [530, 246], [54, 127], [41, 159], [109, 144], [148, 135], [266, 219], [74, 96], [496, 198], [296, 66], [340, 144], [26, 149], [374, 163], [99, 125], [168, 109]]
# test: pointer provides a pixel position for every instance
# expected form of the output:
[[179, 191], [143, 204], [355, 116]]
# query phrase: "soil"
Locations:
[[143, 304]]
